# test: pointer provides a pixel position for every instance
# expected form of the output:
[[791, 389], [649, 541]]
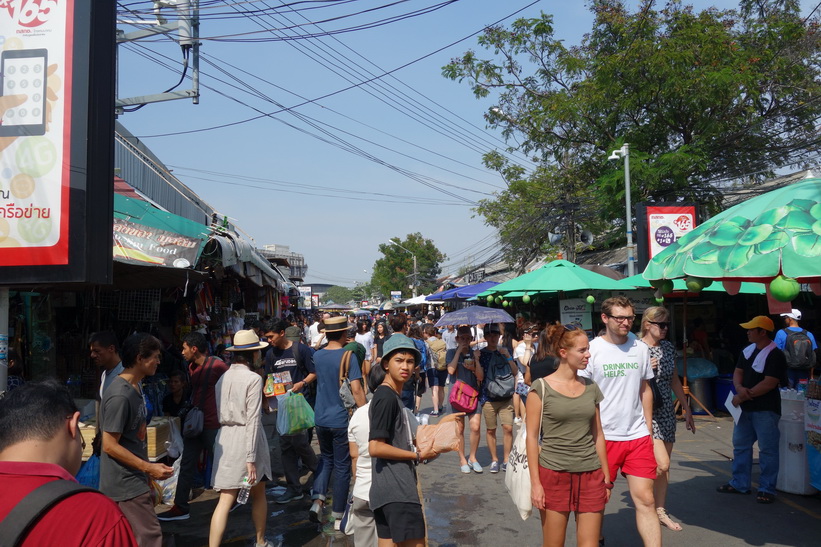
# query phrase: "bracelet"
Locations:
[[608, 485], [510, 359], [418, 458]]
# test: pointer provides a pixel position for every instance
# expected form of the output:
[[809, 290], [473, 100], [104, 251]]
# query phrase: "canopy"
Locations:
[[559, 275], [679, 285], [419, 300], [463, 293]]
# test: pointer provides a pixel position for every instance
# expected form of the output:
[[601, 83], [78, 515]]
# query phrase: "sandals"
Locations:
[[666, 521], [764, 497], [729, 489]]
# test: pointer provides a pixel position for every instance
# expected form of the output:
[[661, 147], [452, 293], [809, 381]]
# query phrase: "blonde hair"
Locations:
[[655, 314]]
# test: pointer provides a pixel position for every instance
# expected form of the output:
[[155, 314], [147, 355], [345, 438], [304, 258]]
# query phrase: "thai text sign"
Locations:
[[138, 244], [575, 310], [665, 224]]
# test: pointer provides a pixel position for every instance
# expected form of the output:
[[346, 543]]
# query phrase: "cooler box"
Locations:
[[793, 468]]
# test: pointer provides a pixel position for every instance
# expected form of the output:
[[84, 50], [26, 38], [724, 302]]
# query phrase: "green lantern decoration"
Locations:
[[694, 284], [591, 299], [505, 303], [784, 289], [526, 298], [659, 300], [666, 286]]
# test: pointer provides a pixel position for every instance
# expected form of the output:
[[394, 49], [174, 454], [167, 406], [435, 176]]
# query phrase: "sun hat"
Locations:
[[336, 324], [246, 340], [759, 322], [400, 342], [493, 328], [794, 314]]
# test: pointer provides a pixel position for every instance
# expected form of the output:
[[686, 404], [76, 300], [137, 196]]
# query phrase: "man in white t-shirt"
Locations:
[[620, 365]]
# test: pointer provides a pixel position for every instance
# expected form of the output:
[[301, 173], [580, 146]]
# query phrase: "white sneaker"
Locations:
[[517, 421]]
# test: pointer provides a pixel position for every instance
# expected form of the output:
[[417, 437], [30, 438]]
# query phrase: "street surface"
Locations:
[[477, 510]]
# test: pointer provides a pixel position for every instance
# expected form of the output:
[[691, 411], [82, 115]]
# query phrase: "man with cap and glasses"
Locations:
[[799, 348], [760, 369], [620, 365]]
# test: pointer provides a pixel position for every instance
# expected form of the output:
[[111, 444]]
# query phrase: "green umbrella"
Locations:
[[774, 234], [679, 285], [559, 275]]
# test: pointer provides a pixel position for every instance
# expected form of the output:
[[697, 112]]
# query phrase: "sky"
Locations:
[[398, 155]]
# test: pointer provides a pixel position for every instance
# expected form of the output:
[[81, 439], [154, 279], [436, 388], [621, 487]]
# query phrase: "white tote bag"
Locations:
[[517, 476]]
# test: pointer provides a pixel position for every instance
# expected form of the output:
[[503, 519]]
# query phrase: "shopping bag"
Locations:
[[517, 476], [174, 444], [441, 437], [89, 474], [169, 485], [294, 415]]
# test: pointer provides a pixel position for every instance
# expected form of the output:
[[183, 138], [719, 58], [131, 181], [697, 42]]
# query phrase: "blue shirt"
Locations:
[[329, 411], [781, 337]]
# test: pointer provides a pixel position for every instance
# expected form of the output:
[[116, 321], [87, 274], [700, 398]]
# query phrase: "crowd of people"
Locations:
[[591, 409]]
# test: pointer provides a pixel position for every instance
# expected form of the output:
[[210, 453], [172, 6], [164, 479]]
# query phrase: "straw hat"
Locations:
[[246, 340], [336, 324]]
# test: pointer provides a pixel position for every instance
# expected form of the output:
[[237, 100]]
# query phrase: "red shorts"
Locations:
[[582, 492], [634, 457]]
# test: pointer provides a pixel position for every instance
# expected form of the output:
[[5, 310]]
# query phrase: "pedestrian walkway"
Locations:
[[476, 510]]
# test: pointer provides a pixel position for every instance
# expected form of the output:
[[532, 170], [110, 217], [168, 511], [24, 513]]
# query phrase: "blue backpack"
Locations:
[[423, 349]]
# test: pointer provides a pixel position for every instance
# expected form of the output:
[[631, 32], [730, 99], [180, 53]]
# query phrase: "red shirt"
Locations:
[[88, 519], [198, 374]]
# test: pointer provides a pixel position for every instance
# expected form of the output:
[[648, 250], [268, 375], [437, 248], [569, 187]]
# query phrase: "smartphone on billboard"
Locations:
[[23, 72]]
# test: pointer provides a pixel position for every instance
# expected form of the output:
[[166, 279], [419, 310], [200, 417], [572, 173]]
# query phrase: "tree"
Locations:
[[702, 98], [394, 271], [338, 295]]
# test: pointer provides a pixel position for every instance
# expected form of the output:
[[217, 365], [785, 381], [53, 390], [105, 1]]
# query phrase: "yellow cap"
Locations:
[[759, 322]]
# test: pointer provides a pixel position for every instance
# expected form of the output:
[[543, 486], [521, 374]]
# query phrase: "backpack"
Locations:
[[423, 349], [439, 357], [798, 350], [500, 382]]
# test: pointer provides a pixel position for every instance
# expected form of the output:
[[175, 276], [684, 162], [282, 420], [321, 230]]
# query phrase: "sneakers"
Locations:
[[175, 513], [517, 420], [315, 512], [494, 467], [434, 414], [290, 495], [504, 468], [476, 467]]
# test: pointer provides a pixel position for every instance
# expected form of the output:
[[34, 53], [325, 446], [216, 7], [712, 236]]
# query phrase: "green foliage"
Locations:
[[394, 271], [702, 98], [338, 295]]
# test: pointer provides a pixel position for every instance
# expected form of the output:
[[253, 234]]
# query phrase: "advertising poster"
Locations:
[[35, 67], [665, 224], [575, 310], [304, 297], [315, 300], [396, 296], [138, 244]]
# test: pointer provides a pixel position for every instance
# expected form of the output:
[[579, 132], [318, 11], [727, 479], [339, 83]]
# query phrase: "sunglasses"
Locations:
[[571, 327], [661, 324]]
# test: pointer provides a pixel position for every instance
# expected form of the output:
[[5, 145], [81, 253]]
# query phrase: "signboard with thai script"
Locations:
[[55, 200], [575, 311], [659, 226], [138, 244]]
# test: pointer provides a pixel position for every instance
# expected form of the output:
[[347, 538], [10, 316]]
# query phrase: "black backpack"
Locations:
[[500, 382], [798, 350]]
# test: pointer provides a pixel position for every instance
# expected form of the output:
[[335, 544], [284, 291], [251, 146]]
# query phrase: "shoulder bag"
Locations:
[[345, 392], [194, 420]]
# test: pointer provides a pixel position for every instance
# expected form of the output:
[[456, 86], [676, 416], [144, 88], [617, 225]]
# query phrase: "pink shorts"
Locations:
[[634, 458], [579, 492]]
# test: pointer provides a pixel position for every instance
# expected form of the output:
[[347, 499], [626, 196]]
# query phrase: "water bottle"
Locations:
[[242, 497], [423, 419]]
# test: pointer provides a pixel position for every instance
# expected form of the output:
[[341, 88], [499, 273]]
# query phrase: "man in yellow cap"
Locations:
[[760, 369]]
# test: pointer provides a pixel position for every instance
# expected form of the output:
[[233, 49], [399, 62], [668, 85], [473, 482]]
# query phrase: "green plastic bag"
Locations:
[[294, 414]]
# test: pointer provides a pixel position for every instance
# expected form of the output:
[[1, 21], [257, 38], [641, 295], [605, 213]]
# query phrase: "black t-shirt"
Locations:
[[541, 369], [380, 342], [284, 365], [392, 481], [171, 408], [775, 366]]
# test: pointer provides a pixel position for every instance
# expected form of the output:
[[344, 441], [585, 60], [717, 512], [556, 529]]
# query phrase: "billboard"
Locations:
[[660, 225], [56, 140], [396, 296], [304, 297]]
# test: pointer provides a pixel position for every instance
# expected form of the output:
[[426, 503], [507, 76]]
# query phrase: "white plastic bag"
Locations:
[[173, 446], [169, 485], [517, 476]]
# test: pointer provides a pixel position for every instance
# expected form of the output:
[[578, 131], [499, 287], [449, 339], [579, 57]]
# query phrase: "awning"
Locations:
[[147, 236], [246, 261]]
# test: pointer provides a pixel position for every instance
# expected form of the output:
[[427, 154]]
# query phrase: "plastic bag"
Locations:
[[174, 445], [442, 437], [89, 474], [169, 485], [517, 476], [294, 414]]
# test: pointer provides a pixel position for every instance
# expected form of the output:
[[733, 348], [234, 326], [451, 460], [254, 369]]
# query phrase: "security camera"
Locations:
[[614, 155]]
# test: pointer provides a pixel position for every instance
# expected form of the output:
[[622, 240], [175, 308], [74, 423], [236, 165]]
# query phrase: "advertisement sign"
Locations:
[[304, 297], [54, 201], [138, 244], [659, 226], [315, 300], [575, 310], [812, 415], [396, 296]]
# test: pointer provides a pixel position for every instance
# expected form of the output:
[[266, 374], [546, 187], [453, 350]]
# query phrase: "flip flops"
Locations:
[[764, 497], [729, 489]]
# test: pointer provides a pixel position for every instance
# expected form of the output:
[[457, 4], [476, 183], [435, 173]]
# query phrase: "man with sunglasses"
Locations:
[[620, 365]]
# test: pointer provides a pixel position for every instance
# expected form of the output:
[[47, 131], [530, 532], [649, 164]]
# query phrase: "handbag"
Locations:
[[517, 476], [346, 523], [463, 397], [654, 387], [345, 392], [195, 418]]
